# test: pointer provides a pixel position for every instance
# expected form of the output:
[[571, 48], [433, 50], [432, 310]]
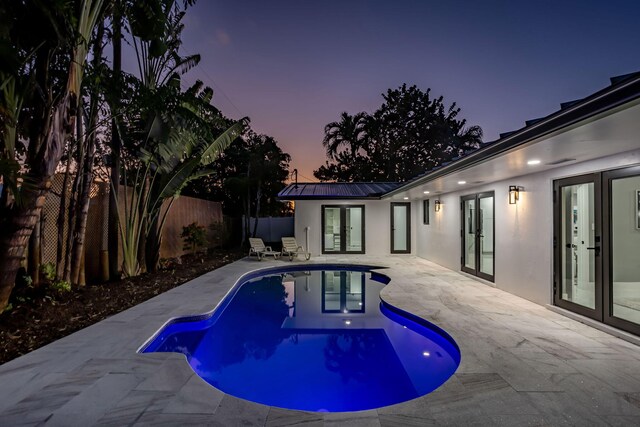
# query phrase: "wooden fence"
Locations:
[[185, 210]]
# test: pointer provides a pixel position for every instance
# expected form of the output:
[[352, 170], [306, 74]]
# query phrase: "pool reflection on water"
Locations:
[[316, 341]]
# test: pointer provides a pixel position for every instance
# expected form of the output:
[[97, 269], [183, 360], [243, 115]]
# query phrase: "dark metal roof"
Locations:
[[337, 190], [623, 89]]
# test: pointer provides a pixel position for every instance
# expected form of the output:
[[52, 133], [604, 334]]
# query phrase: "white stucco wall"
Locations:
[[377, 224], [524, 232]]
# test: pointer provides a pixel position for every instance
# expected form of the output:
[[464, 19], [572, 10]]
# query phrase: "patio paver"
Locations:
[[521, 364]]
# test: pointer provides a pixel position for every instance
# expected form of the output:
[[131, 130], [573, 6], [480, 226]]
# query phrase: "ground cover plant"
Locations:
[[38, 316]]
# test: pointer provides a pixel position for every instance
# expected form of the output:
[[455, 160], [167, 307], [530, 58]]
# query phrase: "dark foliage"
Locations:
[[410, 133], [253, 169]]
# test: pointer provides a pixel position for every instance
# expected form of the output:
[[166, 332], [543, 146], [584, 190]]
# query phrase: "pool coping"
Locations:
[[521, 363]]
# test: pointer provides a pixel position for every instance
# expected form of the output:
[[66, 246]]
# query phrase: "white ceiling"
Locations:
[[613, 132]]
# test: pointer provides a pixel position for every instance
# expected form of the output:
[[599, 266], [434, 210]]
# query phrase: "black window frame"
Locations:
[[343, 240], [425, 211]]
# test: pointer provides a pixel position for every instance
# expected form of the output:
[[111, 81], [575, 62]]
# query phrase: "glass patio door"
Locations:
[[400, 228], [343, 229], [621, 252], [478, 237], [577, 241]]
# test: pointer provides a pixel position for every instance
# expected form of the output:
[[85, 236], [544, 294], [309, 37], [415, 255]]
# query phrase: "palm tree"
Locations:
[[346, 134], [65, 28]]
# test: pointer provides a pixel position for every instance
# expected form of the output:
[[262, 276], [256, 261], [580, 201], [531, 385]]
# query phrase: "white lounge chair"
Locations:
[[258, 248], [291, 249]]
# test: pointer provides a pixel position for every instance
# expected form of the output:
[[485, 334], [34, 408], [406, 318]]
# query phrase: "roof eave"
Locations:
[[600, 102]]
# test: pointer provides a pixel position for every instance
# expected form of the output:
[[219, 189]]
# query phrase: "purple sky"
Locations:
[[293, 66]]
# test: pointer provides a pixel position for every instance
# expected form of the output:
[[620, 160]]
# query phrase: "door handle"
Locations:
[[595, 248]]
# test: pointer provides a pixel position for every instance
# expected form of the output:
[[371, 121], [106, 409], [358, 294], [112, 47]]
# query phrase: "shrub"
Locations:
[[28, 281], [61, 286], [48, 270], [194, 236]]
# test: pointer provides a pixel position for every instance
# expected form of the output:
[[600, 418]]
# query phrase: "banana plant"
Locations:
[[178, 148]]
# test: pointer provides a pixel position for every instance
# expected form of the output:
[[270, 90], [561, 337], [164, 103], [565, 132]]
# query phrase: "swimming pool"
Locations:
[[316, 338]]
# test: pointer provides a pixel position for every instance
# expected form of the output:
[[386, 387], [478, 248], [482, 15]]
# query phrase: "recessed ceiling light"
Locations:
[[462, 182], [406, 198], [425, 192], [426, 354], [533, 162]]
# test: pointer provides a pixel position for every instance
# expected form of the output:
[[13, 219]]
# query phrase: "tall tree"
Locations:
[[247, 178], [86, 164], [59, 42], [114, 170], [409, 133], [346, 135]]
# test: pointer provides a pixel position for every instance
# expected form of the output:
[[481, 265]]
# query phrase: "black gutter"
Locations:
[[601, 101]]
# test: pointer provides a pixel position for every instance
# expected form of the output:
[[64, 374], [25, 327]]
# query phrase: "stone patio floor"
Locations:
[[522, 364]]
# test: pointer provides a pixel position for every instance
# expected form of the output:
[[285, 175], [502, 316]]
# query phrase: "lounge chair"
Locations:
[[258, 248], [291, 249]]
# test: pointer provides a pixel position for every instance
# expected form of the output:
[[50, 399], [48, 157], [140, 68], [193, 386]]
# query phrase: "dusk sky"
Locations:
[[293, 66]]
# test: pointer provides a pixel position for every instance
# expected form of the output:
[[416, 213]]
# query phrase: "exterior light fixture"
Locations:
[[436, 205], [514, 194], [425, 192], [347, 322], [462, 182], [406, 198], [426, 354], [533, 162]]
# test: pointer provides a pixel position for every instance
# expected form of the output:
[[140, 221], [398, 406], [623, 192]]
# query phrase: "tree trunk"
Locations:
[[13, 242], [62, 216], [258, 197], [35, 256], [247, 208], [145, 227], [73, 201], [83, 213], [77, 259], [154, 240], [114, 231]]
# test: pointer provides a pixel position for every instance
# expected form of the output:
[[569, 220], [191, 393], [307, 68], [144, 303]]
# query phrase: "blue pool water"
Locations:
[[315, 340]]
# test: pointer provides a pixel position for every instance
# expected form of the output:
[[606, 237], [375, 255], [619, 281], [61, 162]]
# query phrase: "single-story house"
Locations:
[[549, 212]]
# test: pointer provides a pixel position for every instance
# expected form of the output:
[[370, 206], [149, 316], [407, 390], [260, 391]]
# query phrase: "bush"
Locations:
[[60, 286], [194, 236], [48, 270]]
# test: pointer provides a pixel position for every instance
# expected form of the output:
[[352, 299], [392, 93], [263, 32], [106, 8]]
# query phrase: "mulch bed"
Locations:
[[41, 315]]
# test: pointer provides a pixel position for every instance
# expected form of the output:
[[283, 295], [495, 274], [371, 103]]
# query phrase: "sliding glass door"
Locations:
[[478, 237], [342, 229]]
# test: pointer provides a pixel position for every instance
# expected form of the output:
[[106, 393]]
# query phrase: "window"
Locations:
[[425, 212]]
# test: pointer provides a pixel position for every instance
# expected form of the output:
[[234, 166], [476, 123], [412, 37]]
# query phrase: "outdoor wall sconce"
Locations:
[[514, 194], [436, 205]]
